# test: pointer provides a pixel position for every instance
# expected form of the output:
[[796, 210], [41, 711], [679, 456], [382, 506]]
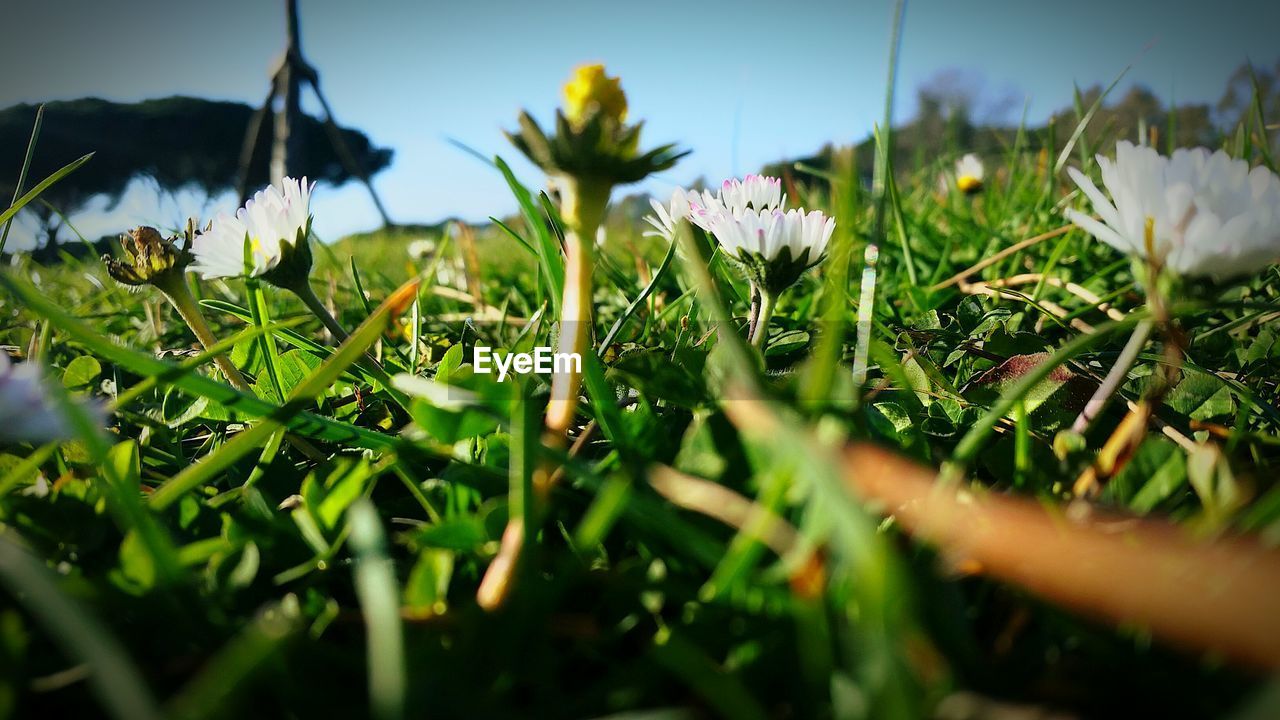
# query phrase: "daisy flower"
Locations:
[[421, 249], [970, 174], [774, 247], [666, 218], [754, 192], [27, 413], [747, 217], [275, 221], [1207, 215], [779, 245]]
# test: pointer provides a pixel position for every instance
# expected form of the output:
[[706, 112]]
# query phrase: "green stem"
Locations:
[[179, 295], [582, 209], [312, 301], [768, 301], [266, 341]]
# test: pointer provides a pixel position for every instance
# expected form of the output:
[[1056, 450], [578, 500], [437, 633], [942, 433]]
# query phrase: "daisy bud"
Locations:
[[590, 91], [149, 259]]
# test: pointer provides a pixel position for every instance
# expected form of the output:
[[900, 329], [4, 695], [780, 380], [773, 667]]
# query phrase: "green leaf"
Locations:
[[464, 533], [427, 590], [1201, 397], [81, 372], [1161, 466], [136, 565]]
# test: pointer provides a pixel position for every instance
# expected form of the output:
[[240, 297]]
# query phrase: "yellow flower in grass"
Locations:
[[591, 90]]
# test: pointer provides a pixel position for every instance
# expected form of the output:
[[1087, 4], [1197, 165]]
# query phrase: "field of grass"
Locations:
[[733, 533]]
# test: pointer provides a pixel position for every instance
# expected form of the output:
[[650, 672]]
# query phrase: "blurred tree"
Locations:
[[1237, 102], [944, 125], [183, 143]]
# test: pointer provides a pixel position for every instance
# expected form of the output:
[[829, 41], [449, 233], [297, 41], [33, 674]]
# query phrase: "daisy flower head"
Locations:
[[754, 192], [774, 246], [28, 414], [666, 218], [274, 225], [1194, 213], [970, 174], [421, 249]]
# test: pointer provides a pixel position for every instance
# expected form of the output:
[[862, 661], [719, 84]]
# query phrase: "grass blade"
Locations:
[[313, 385], [44, 185], [22, 175], [307, 424], [114, 678], [379, 595]]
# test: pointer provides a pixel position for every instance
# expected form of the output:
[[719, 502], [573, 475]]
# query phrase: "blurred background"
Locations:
[[743, 85]]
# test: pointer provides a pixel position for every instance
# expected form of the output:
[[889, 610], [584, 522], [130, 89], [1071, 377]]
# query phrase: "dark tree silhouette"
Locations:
[[183, 143]]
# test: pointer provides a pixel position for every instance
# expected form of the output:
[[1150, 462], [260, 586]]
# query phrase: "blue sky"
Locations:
[[740, 83]]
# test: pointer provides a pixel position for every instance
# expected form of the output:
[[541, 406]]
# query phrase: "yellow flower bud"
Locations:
[[591, 90]]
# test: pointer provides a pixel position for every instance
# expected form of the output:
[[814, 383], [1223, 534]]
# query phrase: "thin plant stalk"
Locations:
[[760, 329], [583, 210], [1116, 377], [180, 297], [753, 317], [309, 298]]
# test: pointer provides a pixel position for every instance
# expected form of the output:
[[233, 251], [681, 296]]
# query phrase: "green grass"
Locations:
[[189, 560]]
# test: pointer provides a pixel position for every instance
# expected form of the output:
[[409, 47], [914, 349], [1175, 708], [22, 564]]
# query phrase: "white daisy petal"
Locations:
[[1211, 215], [272, 221]]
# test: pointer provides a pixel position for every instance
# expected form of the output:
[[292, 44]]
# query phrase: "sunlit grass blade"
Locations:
[[313, 385], [543, 241], [34, 192], [379, 595], [1084, 123], [22, 175], [310, 425], [634, 305]]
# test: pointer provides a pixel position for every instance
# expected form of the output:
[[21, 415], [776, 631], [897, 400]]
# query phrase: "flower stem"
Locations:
[[768, 301], [583, 210], [309, 298], [179, 295], [1115, 378], [753, 315]]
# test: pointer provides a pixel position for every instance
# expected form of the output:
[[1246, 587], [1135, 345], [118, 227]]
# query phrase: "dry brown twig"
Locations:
[[1211, 595], [1014, 248]]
